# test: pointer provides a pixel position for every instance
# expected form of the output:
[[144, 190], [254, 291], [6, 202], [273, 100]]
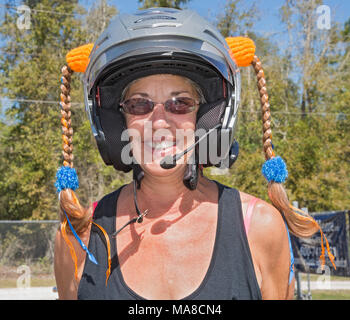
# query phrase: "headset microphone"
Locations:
[[169, 162]]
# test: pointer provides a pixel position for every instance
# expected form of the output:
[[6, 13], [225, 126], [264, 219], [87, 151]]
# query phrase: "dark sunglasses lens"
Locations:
[[137, 106], [180, 105]]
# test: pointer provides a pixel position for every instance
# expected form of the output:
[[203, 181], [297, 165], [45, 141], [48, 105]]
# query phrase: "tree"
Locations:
[[245, 174], [31, 140], [317, 165], [310, 77], [235, 20], [97, 19], [30, 72], [177, 4]]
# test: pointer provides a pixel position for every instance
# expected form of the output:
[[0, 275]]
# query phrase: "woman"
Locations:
[[171, 233]]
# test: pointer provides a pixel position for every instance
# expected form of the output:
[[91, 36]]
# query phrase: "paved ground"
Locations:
[[326, 285], [33, 293]]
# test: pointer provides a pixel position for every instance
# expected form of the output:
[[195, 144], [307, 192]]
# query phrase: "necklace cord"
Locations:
[[139, 217]]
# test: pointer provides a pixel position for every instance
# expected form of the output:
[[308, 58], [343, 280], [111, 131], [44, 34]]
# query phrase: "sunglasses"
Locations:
[[142, 106]]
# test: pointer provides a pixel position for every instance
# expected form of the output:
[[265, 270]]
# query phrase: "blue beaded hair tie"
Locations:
[[66, 178], [275, 169]]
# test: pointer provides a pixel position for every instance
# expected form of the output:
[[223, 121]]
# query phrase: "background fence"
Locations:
[[26, 253]]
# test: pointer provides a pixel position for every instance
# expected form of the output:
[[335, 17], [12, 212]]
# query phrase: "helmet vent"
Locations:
[[101, 41], [211, 34], [151, 11], [156, 25]]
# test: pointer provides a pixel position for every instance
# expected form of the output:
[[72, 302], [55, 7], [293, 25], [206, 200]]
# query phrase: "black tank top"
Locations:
[[230, 275]]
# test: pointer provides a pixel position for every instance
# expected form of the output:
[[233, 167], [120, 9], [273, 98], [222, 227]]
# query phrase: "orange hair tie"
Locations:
[[78, 58], [242, 50]]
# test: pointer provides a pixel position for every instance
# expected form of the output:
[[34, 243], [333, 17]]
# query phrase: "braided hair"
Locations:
[[69, 202], [300, 225]]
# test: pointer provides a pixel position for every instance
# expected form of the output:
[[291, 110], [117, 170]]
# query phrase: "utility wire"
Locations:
[[301, 113], [245, 111], [38, 10], [28, 221], [36, 101]]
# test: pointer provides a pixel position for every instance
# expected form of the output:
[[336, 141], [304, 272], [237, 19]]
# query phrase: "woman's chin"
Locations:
[[154, 167]]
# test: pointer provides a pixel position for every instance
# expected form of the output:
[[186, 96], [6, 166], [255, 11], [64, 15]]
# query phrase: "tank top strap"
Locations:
[[94, 205], [249, 213], [105, 211]]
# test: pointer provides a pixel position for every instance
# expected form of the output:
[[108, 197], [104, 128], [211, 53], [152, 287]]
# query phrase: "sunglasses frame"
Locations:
[[165, 104]]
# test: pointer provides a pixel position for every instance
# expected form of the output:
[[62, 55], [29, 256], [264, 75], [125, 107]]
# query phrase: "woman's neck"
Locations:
[[165, 195]]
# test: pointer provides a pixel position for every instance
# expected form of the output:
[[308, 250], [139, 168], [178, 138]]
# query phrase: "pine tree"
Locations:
[[31, 141]]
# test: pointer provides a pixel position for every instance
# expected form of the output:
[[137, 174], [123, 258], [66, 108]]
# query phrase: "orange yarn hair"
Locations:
[[242, 50], [78, 58], [77, 61]]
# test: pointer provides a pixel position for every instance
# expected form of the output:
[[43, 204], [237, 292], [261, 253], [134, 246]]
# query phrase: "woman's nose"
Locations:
[[159, 117]]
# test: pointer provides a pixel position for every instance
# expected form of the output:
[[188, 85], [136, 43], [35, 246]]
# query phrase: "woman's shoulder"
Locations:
[[263, 211], [267, 224]]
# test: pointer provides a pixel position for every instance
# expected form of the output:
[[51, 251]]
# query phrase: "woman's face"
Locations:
[[161, 133]]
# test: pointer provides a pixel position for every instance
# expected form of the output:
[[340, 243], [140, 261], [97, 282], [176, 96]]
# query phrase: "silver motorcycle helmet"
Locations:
[[162, 41]]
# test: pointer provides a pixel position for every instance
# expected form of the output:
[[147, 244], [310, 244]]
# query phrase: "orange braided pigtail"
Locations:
[[242, 51], [79, 217]]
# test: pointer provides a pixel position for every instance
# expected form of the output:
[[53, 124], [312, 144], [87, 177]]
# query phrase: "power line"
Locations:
[[39, 10], [301, 113], [245, 111], [37, 101], [28, 221]]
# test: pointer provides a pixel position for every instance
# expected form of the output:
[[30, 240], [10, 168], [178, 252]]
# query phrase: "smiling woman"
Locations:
[[172, 233], [168, 120]]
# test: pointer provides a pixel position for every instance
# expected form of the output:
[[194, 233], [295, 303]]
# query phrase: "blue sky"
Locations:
[[340, 10], [268, 24]]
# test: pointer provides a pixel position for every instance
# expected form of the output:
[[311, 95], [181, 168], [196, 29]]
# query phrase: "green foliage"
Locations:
[[235, 20], [31, 140], [177, 4], [314, 145]]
